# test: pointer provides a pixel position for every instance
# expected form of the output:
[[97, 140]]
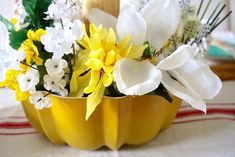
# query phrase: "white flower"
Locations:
[[64, 10], [55, 84], [55, 42], [156, 22], [58, 10], [136, 78], [28, 81], [59, 41], [62, 92], [195, 80], [56, 66], [40, 101]]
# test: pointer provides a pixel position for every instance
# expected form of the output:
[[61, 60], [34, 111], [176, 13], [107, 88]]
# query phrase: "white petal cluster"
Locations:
[[28, 81], [55, 80], [56, 66], [65, 10], [59, 40], [55, 84], [67, 28], [195, 80], [40, 101]]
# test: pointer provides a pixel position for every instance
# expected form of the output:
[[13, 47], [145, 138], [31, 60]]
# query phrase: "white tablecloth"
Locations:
[[192, 134]]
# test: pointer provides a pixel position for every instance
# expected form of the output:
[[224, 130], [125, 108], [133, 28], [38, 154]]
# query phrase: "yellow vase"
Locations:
[[116, 121]]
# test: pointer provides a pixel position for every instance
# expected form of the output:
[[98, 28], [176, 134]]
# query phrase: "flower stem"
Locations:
[[28, 65]]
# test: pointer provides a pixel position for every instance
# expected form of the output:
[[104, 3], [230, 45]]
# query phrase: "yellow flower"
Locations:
[[11, 83], [102, 51], [36, 36], [13, 21], [31, 52], [30, 49]]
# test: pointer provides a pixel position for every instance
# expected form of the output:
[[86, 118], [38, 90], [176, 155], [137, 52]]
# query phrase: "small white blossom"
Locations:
[[55, 66], [28, 81], [55, 84], [63, 92], [40, 101]]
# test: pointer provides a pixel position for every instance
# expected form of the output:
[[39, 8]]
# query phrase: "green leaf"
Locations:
[[148, 52], [29, 6], [36, 10], [17, 38], [162, 91], [8, 24]]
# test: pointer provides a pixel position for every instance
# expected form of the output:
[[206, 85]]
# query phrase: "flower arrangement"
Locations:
[[152, 48]]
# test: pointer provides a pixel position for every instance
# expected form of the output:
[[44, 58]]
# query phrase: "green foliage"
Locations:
[[8, 24], [112, 91], [36, 10], [148, 52], [17, 38], [162, 91]]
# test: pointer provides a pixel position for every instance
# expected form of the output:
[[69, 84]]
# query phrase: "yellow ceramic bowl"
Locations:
[[116, 121]]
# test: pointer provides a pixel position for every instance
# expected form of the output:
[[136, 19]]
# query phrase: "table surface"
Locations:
[[191, 134]]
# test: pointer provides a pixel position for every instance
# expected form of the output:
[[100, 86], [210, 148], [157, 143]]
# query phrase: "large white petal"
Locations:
[[162, 18], [4, 47], [136, 78], [4, 38], [178, 58], [99, 17], [180, 91], [199, 79], [130, 22]]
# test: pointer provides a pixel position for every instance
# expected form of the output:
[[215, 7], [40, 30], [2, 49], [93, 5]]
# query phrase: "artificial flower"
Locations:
[[56, 66], [31, 52], [10, 79], [28, 81], [36, 36], [139, 24], [11, 83], [65, 10], [188, 78], [59, 40], [103, 51], [40, 101], [55, 84], [155, 22], [58, 9], [136, 78]]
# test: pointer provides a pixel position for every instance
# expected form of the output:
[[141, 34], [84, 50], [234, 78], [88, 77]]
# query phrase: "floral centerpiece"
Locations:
[[154, 47]]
